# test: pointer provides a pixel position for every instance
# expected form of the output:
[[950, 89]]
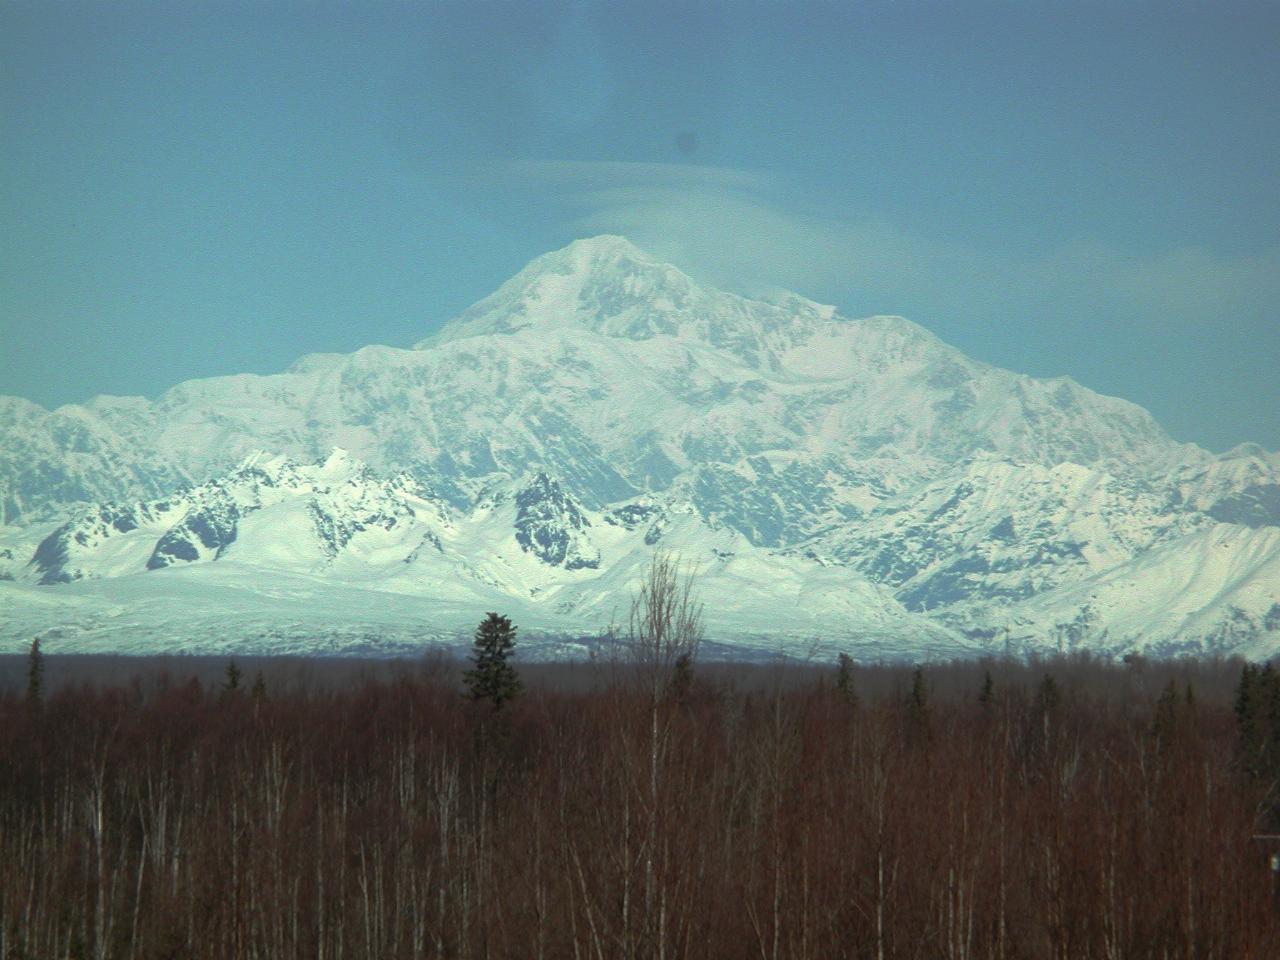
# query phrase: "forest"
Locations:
[[1064, 808]]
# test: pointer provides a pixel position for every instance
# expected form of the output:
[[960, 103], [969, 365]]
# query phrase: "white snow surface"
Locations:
[[837, 483]]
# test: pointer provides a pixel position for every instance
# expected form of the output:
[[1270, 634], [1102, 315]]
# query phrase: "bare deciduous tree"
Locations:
[[663, 632], [360, 820], [664, 625]]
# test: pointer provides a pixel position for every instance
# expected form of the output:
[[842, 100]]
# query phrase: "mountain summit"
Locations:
[[609, 286], [833, 477]]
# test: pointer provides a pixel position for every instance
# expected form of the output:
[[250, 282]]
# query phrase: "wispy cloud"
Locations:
[[1191, 284], [742, 229], [727, 225], [585, 176]]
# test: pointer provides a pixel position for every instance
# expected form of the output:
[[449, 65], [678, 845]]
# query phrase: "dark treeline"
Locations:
[[1213, 681], [1064, 809]]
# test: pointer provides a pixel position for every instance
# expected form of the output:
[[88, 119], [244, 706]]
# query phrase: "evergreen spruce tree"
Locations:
[[681, 678], [919, 699], [1250, 736], [844, 679], [492, 678], [1269, 684], [919, 727], [233, 676], [35, 674], [988, 694], [1164, 725]]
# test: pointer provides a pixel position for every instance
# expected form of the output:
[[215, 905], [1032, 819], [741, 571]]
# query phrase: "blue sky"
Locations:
[[193, 189]]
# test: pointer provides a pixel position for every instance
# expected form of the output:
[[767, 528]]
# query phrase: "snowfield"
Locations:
[[836, 483]]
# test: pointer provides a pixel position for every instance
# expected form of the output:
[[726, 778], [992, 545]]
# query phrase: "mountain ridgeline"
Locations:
[[857, 483]]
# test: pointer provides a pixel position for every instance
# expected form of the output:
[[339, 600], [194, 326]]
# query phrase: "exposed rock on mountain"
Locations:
[[600, 404], [551, 526]]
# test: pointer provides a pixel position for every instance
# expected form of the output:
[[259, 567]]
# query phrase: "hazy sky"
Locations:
[[198, 188]]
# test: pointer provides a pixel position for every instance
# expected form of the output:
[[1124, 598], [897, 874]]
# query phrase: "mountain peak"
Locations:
[[602, 283], [605, 247], [860, 467], [340, 466], [609, 286]]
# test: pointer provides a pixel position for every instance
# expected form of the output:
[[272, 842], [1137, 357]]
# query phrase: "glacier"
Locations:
[[851, 484]]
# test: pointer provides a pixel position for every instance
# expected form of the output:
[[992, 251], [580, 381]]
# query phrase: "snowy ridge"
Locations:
[[297, 530], [327, 504], [832, 477]]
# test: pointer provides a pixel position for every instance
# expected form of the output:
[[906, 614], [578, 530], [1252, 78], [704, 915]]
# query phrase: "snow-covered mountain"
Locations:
[[849, 481]]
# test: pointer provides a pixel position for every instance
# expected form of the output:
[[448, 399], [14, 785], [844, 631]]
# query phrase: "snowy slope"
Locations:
[[609, 390], [534, 451], [275, 530], [1217, 591]]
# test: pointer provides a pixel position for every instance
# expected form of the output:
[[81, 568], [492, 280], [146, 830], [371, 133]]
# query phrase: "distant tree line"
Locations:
[[666, 809]]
